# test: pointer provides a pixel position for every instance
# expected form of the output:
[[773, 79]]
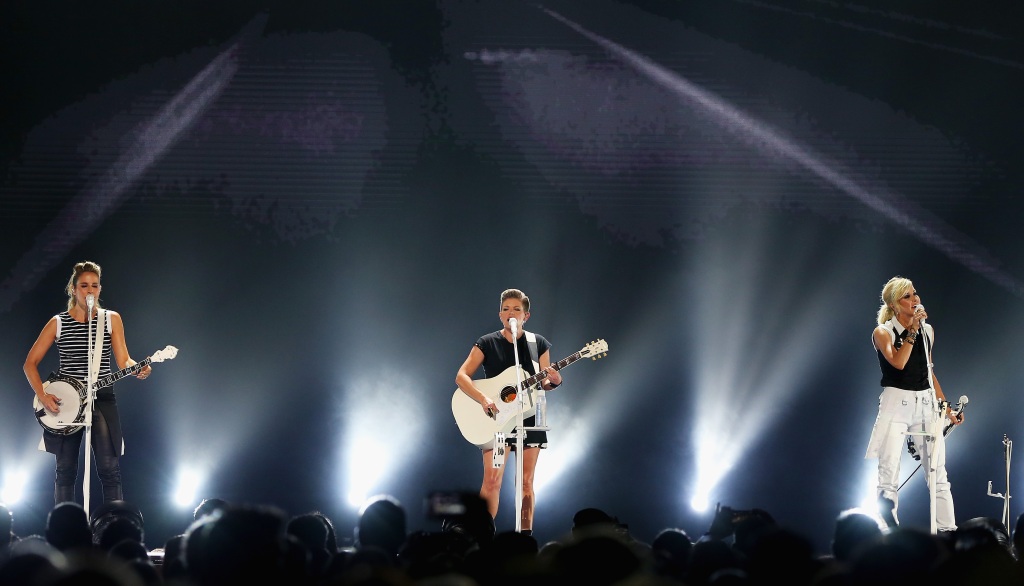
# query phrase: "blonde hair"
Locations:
[[891, 292], [86, 266], [515, 294]]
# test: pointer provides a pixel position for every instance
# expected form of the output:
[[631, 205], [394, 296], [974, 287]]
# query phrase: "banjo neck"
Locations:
[[116, 376], [167, 353]]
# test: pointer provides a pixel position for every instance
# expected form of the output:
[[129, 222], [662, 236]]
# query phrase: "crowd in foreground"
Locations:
[[230, 544]]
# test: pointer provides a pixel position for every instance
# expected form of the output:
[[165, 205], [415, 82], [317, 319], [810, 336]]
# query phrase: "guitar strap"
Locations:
[[531, 341]]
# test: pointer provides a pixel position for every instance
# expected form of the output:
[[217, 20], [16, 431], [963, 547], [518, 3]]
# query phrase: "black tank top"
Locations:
[[914, 376]]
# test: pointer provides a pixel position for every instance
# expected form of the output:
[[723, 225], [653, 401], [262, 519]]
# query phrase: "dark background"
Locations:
[[319, 202]]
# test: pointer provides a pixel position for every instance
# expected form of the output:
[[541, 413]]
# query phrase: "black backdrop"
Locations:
[[319, 202]]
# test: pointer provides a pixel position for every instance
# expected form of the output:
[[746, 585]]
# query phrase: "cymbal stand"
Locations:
[[1007, 452]]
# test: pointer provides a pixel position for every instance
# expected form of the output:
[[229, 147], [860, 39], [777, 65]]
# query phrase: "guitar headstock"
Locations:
[[596, 349], [166, 354]]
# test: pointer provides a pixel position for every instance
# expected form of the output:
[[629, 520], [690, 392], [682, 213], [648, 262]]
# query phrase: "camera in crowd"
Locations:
[[734, 516], [460, 512], [445, 504], [727, 519]]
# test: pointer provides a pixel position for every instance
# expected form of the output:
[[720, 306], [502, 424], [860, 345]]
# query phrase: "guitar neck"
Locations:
[[554, 366], [116, 376]]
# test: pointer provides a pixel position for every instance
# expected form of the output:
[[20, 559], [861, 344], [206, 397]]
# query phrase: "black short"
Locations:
[[534, 438]]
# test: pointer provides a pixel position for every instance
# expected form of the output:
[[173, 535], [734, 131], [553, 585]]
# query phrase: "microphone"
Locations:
[[90, 301], [513, 325], [921, 307], [958, 412], [961, 404]]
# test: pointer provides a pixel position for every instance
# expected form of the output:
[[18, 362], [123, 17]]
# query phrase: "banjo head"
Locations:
[[70, 392]]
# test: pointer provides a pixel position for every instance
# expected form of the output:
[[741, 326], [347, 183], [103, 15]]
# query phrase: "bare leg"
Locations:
[[490, 489], [530, 456]]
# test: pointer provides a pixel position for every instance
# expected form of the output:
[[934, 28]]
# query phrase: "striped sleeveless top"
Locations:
[[72, 348]]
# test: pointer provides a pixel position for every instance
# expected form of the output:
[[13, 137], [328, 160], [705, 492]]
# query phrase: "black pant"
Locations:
[[106, 460]]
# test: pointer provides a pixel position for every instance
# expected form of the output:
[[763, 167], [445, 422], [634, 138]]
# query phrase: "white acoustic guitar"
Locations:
[[478, 428], [71, 394]]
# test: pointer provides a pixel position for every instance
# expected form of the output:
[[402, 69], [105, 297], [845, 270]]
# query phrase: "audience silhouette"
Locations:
[[67, 527], [229, 543]]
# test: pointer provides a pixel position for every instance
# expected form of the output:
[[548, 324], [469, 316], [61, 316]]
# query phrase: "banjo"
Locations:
[[71, 394]]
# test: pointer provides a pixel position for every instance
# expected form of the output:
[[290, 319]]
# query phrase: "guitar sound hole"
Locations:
[[508, 394]]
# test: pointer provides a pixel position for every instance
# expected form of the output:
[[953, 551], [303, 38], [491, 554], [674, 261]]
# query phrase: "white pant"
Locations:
[[900, 411]]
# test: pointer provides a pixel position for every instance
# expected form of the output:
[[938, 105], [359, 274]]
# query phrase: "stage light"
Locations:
[[13, 489], [367, 465], [700, 502], [187, 488]]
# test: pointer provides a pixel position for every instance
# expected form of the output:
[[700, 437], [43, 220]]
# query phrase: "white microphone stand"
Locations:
[[932, 432], [520, 431], [90, 390]]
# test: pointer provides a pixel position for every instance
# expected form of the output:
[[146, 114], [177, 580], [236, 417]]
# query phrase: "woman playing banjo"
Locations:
[[71, 332]]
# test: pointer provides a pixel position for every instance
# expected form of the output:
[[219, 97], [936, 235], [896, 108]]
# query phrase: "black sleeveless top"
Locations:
[[914, 376]]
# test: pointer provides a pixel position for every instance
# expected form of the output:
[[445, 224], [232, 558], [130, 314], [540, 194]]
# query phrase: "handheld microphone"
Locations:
[[960, 405], [921, 307], [512, 325], [958, 412]]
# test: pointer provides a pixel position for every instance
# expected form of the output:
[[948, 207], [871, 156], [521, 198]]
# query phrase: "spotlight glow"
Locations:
[[368, 465], [373, 454], [921, 223], [188, 487], [746, 376], [700, 502], [13, 489], [86, 211]]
